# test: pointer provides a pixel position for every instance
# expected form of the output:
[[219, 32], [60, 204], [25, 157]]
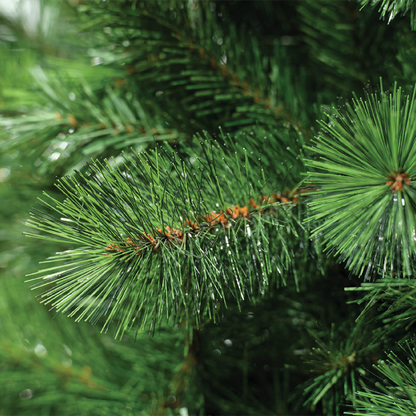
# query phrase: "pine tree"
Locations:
[[227, 199]]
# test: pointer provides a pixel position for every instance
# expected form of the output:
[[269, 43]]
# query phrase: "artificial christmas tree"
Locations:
[[236, 256]]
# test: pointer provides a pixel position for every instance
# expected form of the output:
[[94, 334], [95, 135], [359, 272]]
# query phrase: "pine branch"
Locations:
[[196, 64], [394, 301], [95, 123], [396, 394], [364, 164], [149, 247], [340, 365]]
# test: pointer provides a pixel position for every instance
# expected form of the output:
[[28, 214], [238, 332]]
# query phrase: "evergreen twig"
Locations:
[[396, 394], [149, 244], [364, 164]]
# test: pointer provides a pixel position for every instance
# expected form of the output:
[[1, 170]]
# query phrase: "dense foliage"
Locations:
[[224, 190]]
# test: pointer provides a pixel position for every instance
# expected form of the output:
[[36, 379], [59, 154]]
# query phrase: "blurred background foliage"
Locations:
[[82, 79]]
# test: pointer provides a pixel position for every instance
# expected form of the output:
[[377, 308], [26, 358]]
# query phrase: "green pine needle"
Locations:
[[364, 165]]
